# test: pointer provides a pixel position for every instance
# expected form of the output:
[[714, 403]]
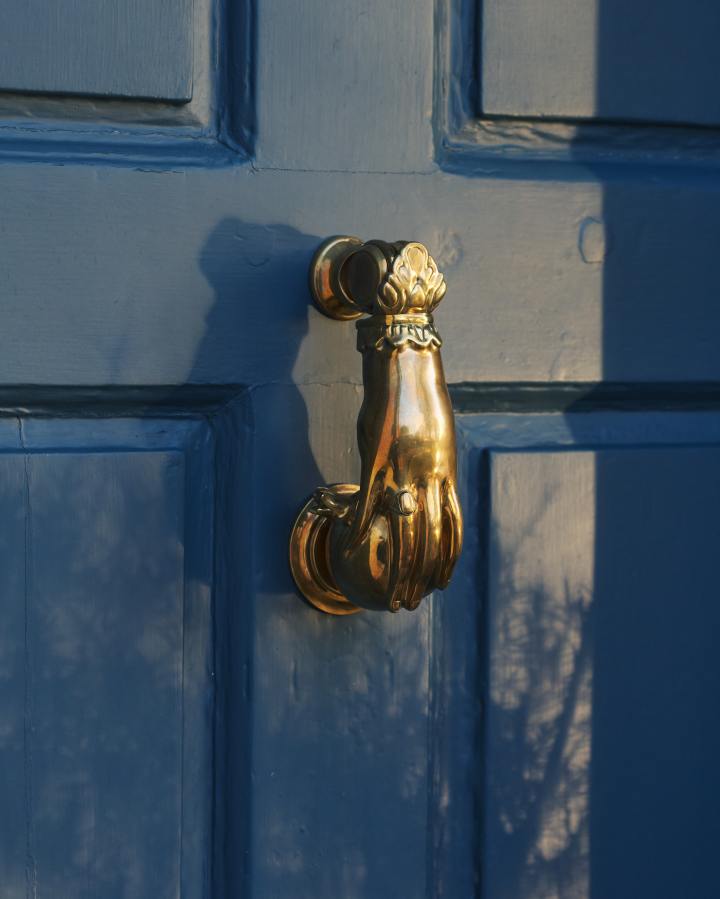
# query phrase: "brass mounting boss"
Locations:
[[386, 543]]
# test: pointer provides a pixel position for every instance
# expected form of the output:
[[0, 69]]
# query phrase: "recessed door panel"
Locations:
[[127, 48], [104, 735], [600, 59], [601, 735]]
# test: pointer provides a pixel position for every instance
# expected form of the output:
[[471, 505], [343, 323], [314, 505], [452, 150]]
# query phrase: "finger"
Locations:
[[451, 535], [427, 546], [368, 504], [402, 550]]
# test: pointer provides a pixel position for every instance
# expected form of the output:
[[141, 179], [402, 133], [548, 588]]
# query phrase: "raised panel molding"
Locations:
[[580, 85], [579, 668], [146, 83], [106, 736]]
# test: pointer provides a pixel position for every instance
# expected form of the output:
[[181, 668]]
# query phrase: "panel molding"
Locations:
[[457, 804], [109, 401], [98, 469], [215, 128], [583, 397], [472, 144], [206, 428]]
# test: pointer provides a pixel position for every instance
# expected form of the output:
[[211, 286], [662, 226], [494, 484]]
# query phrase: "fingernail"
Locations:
[[406, 502]]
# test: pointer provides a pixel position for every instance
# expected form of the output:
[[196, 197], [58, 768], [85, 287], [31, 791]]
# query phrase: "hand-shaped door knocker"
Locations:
[[395, 538]]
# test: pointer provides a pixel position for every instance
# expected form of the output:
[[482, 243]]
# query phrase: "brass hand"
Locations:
[[397, 537]]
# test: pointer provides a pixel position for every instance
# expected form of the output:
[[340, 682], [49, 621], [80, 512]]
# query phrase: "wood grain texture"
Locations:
[[120, 277], [647, 62], [538, 62], [135, 48], [346, 86]]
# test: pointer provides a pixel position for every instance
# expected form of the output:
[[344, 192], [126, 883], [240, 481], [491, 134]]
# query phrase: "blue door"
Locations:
[[175, 721]]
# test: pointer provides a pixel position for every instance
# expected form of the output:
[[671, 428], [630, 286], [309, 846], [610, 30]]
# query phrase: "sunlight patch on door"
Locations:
[[538, 719]]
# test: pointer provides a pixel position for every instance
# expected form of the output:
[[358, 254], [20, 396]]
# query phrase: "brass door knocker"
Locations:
[[385, 544]]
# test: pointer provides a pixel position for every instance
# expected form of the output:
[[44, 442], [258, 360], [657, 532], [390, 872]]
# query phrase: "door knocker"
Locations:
[[387, 543]]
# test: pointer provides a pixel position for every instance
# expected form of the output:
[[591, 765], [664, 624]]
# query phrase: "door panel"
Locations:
[[595, 688], [140, 50], [106, 685], [543, 60], [104, 741]]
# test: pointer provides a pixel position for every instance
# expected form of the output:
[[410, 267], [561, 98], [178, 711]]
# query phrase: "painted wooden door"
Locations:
[[174, 720]]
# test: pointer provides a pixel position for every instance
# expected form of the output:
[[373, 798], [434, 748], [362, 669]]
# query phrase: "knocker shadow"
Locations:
[[254, 330]]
